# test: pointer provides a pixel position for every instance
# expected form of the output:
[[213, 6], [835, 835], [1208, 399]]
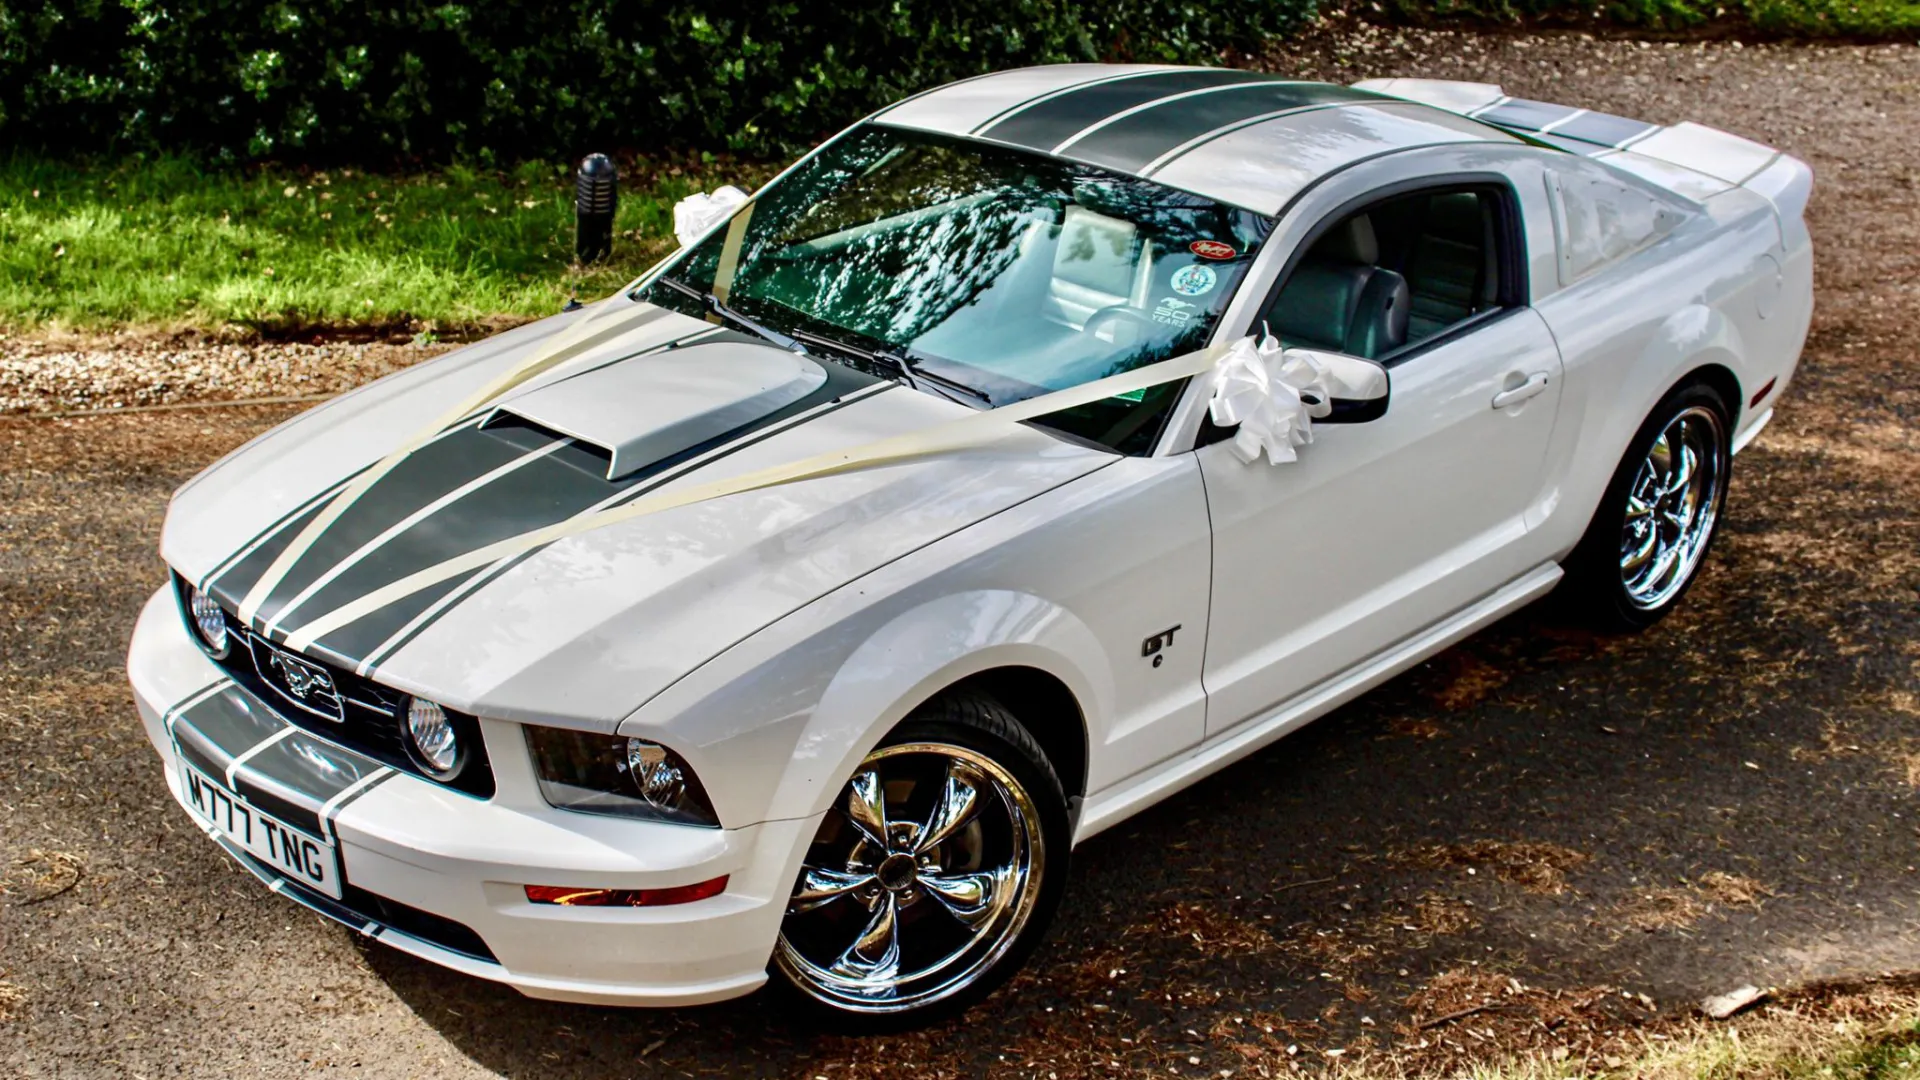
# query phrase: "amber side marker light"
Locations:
[[575, 896]]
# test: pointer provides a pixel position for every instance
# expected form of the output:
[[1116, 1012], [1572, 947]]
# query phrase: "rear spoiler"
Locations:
[[1690, 159]]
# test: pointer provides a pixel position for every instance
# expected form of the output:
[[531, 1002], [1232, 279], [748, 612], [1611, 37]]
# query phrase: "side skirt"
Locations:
[[1143, 789]]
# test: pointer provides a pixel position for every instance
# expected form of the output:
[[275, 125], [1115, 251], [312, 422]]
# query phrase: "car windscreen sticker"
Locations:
[[1212, 249], [1195, 280], [1173, 311]]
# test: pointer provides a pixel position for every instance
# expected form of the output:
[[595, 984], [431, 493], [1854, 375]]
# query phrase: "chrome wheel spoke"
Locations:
[[1682, 475], [965, 838], [818, 886], [959, 799], [1671, 508], [971, 898], [874, 958], [866, 807], [1637, 556]]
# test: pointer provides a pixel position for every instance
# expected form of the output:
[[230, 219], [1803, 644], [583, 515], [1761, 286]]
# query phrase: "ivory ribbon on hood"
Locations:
[[968, 431], [1274, 394]]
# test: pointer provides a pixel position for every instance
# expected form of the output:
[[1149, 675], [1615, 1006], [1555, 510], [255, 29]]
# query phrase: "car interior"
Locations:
[[1392, 275]]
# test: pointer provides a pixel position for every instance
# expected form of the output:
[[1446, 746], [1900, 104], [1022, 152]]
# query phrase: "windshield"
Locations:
[[1005, 272]]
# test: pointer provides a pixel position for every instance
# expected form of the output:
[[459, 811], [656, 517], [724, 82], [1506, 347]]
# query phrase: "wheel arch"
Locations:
[[1045, 705], [1033, 656]]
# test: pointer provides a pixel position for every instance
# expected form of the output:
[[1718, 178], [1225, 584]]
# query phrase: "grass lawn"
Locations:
[[164, 243]]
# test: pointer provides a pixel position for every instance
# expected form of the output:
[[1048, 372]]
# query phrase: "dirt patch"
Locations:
[[1537, 867], [39, 375], [1676, 908]]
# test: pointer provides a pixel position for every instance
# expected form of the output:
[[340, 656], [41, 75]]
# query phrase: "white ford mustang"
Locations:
[[797, 609]]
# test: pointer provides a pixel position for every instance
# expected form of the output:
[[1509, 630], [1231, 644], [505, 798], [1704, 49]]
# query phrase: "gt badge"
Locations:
[[1162, 640]]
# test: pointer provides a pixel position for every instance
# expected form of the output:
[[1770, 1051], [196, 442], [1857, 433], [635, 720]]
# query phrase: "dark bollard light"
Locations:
[[596, 194]]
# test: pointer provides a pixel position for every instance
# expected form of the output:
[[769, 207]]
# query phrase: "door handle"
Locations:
[[1535, 385]]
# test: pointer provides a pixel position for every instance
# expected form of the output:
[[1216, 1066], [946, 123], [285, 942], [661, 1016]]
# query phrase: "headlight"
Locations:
[[611, 774], [208, 621], [431, 740]]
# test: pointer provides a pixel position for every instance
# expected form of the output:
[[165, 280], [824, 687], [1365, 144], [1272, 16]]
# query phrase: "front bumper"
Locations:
[[441, 875]]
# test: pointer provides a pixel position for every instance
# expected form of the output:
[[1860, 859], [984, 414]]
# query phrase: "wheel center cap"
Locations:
[[895, 872]]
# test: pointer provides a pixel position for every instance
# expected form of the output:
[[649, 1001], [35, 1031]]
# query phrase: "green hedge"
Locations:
[[1863, 19], [373, 80]]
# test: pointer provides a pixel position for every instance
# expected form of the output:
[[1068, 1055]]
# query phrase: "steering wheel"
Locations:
[[1120, 325]]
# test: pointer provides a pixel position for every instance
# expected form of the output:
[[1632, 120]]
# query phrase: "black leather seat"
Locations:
[[1339, 297], [1450, 266]]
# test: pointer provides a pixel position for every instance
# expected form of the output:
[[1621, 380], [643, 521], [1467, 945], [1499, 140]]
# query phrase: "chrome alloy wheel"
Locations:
[[917, 883], [1672, 506]]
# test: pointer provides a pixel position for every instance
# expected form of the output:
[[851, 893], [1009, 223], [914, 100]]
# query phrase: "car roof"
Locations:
[[1247, 138]]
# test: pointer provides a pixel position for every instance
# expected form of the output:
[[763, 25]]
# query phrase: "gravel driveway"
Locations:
[[1537, 839]]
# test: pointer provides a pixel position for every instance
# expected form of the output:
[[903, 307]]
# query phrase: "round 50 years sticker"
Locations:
[[1195, 280]]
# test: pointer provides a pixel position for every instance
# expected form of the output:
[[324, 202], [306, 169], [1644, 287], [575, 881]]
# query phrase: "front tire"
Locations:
[[935, 874], [1657, 520]]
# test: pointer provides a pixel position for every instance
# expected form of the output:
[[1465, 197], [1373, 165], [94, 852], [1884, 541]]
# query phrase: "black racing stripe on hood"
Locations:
[[305, 509], [543, 490], [434, 470], [1132, 143], [1053, 121], [354, 643], [547, 491], [232, 584]]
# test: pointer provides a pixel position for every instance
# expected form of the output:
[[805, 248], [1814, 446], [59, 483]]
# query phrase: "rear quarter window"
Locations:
[[1598, 221]]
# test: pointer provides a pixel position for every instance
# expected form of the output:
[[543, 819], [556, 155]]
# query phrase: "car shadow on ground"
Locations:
[[1657, 814]]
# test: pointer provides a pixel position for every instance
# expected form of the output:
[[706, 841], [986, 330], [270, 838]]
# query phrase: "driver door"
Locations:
[[1384, 527]]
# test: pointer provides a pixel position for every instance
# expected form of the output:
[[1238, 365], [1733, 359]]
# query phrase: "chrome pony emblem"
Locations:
[[301, 682], [300, 677]]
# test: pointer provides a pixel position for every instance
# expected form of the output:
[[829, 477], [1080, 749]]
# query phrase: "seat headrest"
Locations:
[[1456, 217], [1351, 241]]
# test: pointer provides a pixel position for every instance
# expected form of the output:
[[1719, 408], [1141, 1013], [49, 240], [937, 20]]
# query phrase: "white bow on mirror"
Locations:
[[1273, 394], [695, 214]]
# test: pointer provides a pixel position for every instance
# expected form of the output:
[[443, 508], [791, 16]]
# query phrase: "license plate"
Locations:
[[294, 853]]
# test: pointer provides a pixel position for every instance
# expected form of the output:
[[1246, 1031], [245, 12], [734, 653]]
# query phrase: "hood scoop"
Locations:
[[647, 408]]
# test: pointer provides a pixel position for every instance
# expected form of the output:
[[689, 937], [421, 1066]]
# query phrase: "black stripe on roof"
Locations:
[[1131, 143], [1055, 120], [1525, 115]]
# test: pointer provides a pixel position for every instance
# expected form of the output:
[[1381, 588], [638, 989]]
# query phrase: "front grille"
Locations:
[[338, 705]]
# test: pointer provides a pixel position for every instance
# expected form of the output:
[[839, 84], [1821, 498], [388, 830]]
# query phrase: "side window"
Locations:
[[1395, 273], [1597, 221]]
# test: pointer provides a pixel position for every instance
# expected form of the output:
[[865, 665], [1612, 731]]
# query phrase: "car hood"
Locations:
[[583, 630]]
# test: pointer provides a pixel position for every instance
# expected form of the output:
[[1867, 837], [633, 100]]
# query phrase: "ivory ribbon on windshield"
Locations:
[[695, 214], [968, 431]]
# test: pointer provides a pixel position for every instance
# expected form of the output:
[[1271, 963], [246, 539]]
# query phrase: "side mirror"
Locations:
[[1360, 387]]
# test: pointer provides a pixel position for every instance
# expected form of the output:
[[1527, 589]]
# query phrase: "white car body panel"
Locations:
[[1158, 616]]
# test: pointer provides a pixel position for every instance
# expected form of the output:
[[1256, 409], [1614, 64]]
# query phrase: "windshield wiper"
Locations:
[[714, 304], [905, 368]]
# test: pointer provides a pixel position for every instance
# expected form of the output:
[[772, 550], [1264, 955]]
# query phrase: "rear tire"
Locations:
[[933, 877], [1657, 520]]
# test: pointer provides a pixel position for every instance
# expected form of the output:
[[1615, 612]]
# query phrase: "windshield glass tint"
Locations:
[[1009, 272]]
